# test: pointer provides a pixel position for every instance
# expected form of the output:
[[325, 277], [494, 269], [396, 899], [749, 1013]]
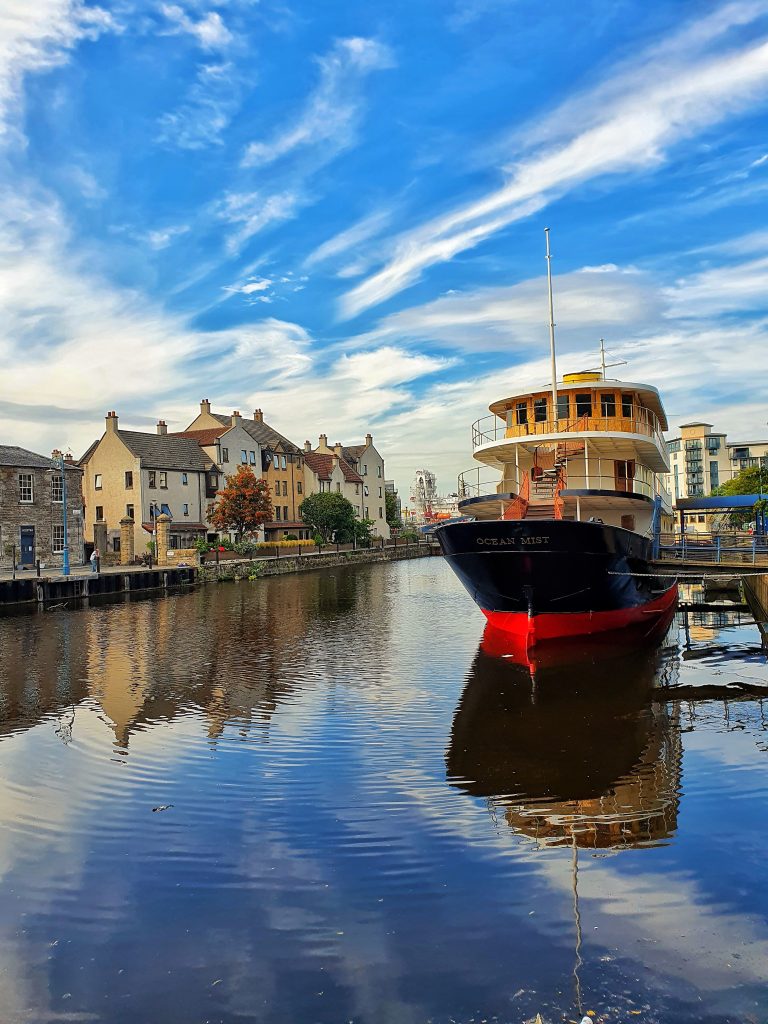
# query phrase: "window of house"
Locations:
[[673, 446], [338, 486], [99, 513], [213, 481], [539, 410], [562, 407], [26, 493], [57, 489], [252, 457], [225, 454], [380, 515], [380, 495], [185, 479], [626, 405], [378, 471], [285, 511], [712, 443], [128, 480], [283, 462], [584, 405], [366, 511], [357, 488], [277, 511], [57, 538], [186, 510], [365, 470], [163, 479], [714, 474], [116, 544], [97, 482], [299, 488], [244, 457], [152, 478], [701, 519], [285, 488], [129, 511], [607, 405], [521, 413]]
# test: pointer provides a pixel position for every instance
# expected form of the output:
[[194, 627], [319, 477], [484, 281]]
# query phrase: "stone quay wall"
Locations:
[[257, 567]]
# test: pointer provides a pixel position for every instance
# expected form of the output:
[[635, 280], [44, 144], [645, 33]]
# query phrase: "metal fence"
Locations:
[[721, 549]]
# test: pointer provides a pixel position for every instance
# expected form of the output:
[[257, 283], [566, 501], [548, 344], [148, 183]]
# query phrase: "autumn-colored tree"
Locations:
[[243, 505]]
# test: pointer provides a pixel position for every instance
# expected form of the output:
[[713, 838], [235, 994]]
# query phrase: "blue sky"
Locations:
[[335, 212]]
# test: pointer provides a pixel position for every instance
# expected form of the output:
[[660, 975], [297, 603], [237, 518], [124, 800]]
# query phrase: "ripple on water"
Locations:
[[319, 798]]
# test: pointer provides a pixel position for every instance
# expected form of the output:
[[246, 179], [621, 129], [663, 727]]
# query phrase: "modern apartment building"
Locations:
[[702, 459]]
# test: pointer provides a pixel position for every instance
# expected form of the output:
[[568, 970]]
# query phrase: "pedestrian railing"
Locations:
[[728, 550]]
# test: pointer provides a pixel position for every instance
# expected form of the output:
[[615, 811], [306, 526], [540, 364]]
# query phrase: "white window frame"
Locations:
[[57, 489], [57, 536], [97, 482]]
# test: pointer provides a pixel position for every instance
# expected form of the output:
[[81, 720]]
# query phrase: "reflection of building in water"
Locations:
[[579, 756], [233, 653]]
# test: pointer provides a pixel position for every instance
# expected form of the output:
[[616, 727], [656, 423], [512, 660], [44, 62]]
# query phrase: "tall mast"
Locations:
[[551, 330], [602, 356]]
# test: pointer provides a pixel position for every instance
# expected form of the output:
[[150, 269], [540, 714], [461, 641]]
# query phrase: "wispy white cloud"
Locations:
[[38, 36], [351, 237], [161, 238], [254, 212], [204, 115], [210, 32], [724, 289], [329, 119], [515, 317], [629, 123], [87, 184]]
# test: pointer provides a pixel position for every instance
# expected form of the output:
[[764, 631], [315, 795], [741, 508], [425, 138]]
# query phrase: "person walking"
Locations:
[[95, 560]]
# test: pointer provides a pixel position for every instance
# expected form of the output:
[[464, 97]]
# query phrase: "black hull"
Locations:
[[557, 577]]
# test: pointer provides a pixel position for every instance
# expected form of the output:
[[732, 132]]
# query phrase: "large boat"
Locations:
[[564, 508]]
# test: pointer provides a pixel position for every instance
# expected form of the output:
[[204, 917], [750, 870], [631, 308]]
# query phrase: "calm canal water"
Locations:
[[318, 799]]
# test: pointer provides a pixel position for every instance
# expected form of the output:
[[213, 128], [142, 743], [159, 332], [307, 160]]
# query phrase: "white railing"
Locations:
[[478, 481], [491, 428], [483, 481]]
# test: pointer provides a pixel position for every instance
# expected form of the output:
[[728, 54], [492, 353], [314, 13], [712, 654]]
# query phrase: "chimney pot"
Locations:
[[258, 415], [112, 420], [205, 405], [369, 440], [307, 446], [162, 427]]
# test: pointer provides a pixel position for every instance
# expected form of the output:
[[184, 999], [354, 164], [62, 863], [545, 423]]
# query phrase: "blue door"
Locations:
[[27, 545]]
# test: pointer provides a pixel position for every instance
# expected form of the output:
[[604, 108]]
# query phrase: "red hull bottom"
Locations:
[[547, 626]]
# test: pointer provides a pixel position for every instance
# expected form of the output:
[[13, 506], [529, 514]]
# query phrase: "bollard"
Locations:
[[277, 551], [37, 566]]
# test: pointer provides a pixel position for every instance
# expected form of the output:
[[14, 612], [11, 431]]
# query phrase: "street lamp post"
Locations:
[[59, 463]]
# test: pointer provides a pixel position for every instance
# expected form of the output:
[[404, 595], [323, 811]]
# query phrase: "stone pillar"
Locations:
[[100, 537], [163, 538], [126, 541]]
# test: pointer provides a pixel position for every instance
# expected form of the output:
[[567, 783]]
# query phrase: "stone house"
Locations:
[[366, 461], [130, 473], [282, 466], [31, 509]]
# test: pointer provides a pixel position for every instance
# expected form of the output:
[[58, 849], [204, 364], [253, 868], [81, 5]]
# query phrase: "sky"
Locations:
[[335, 212]]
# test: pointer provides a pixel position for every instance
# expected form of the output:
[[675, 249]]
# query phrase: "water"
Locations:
[[317, 799]]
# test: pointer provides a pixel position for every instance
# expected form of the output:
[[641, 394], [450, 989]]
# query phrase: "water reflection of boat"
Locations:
[[578, 756]]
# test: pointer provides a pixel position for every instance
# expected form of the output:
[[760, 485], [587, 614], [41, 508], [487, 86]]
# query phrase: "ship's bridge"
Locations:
[[614, 419]]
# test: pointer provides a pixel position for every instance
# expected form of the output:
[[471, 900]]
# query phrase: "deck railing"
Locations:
[[491, 428], [482, 481]]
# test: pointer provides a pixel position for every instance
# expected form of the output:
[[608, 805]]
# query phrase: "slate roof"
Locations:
[[353, 451], [261, 432], [321, 465], [12, 455], [165, 451]]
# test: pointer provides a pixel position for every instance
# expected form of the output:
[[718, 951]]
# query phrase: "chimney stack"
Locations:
[[258, 415], [368, 440], [307, 446], [205, 406], [337, 448], [323, 442], [112, 421], [236, 418], [162, 427]]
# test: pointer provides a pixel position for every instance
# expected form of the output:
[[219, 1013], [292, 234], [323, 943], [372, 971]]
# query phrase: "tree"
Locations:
[[243, 505], [753, 480], [393, 519], [329, 515]]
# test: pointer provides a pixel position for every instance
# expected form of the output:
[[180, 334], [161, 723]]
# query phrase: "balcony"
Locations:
[[491, 428]]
